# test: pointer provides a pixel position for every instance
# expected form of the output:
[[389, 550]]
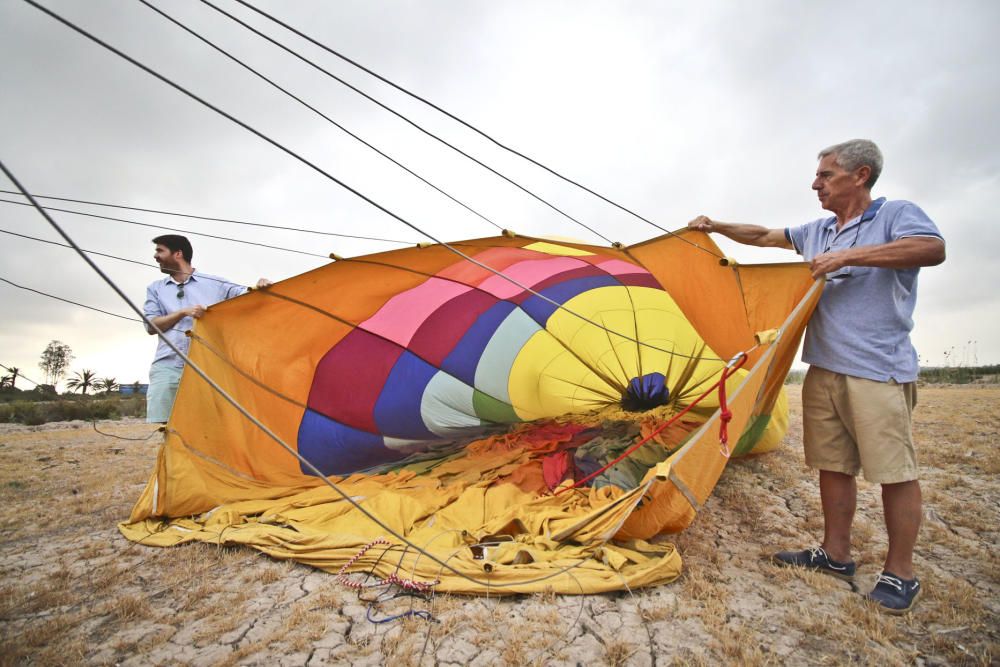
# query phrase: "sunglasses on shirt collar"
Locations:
[[867, 216]]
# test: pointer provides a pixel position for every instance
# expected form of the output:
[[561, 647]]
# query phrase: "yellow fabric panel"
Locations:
[[556, 249], [555, 371], [318, 527], [509, 567]]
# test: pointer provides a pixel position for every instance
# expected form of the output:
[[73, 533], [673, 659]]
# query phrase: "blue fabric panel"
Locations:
[[540, 310], [650, 389], [397, 410], [464, 358], [337, 449]]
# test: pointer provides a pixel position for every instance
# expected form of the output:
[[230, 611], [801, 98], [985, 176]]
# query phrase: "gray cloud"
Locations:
[[673, 109]]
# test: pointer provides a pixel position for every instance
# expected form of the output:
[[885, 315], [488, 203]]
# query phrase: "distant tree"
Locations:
[[82, 381], [10, 380], [107, 385], [55, 360]]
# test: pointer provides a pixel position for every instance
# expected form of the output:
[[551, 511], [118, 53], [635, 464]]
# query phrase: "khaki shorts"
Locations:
[[853, 424], [163, 382]]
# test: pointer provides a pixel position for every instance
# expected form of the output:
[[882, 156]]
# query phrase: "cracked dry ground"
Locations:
[[74, 591]]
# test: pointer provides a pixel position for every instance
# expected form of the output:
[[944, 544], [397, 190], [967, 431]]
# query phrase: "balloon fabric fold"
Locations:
[[449, 402]]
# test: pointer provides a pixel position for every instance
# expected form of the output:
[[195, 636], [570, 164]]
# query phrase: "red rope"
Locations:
[[724, 420], [393, 578]]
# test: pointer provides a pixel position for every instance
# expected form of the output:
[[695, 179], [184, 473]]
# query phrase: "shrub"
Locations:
[[33, 413]]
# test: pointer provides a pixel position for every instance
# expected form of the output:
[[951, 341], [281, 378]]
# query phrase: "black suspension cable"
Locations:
[[407, 120], [89, 252], [317, 112], [210, 219], [201, 276], [464, 123], [19, 374], [59, 298], [173, 229], [342, 184]]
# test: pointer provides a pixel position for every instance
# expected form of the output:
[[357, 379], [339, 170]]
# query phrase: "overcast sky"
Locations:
[[671, 108]]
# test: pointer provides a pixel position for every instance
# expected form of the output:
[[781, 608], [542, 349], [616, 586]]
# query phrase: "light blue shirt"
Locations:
[[862, 324], [162, 299]]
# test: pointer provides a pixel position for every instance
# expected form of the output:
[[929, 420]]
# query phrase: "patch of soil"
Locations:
[[74, 591]]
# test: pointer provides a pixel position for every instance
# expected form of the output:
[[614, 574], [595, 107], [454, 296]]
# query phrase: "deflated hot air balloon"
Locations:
[[467, 349], [458, 398]]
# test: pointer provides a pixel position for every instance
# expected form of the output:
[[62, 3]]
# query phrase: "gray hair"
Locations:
[[857, 153]]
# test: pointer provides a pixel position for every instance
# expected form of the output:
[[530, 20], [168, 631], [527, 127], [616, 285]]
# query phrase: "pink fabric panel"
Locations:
[[403, 314], [617, 267], [528, 273], [495, 258]]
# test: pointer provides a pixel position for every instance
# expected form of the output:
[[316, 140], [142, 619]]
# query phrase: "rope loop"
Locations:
[[392, 579]]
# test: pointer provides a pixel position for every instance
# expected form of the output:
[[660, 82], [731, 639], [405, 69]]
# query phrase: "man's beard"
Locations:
[[169, 266]]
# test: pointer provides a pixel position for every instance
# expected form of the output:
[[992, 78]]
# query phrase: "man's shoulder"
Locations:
[[215, 281], [895, 208], [811, 228], [904, 218], [218, 287], [892, 205], [201, 275]]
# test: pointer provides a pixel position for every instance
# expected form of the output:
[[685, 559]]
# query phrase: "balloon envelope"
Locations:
[[451, 400]]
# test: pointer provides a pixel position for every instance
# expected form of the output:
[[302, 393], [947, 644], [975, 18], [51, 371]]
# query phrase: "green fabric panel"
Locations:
[[752, 434], [490, 409]]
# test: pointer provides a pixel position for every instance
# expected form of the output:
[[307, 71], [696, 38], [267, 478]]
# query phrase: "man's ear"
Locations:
[[864, 172]]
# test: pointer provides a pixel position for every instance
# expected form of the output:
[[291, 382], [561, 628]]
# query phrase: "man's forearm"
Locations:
[[741, 233], [170, 320], [905, 253], [165, 322]]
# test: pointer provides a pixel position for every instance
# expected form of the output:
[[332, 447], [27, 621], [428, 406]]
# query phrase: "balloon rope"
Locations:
[[454, 117], [181, 89]]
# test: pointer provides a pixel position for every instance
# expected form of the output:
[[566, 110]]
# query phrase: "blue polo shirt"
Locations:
[[162, 299], [862, 324]]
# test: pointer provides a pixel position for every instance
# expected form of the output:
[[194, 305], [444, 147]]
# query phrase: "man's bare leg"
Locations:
[[902, 507], [839, 495]]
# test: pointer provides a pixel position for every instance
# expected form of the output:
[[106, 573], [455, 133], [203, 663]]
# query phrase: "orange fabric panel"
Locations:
[[707, 293]]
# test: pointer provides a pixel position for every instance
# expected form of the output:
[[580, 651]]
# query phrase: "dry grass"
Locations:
[[74, 592]]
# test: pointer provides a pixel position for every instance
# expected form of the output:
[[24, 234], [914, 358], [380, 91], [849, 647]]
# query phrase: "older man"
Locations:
[[861, 386], [172, 305]]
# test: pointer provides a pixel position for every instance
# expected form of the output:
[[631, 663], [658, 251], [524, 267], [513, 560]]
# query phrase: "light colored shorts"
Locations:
[[163, 382], [852, 424]]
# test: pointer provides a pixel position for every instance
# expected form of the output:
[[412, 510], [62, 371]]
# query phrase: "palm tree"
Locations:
[[10, 380], [107, 385], [82, 380]]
